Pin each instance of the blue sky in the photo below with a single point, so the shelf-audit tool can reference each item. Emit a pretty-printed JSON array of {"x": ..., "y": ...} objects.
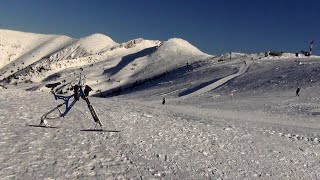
[{"x": 214, "y": 26}]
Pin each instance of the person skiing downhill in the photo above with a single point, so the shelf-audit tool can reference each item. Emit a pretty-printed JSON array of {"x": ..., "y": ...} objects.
[
  {"x": 297, "y": 91},
  {"x": 163, "y": 101}
]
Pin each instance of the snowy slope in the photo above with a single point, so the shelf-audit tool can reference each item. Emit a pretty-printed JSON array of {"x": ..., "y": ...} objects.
[
  {"x": 16, "y": 44},
  {"x": 68, "y": 62},
  {"x": 96, "y": 43},
  {"x": 174, "y": 141},
  {"x": 220, "y": 82},
  {"x": 111, "y": 68},
  {"x": 19, "y": 49},
  {"x": 174, "y": 53},
  {"x": 108, "y": 66},
  {"x": 89, "y": 45},
  {"x": 224, "y": 118},
  {"x": 155, "y": 62}
]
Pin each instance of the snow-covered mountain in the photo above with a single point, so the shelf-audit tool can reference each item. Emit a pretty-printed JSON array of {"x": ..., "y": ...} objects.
[
  {"x": 222, "y": 117},
  {"x": 19, "y": 50},
  {"x": 29, "y": 61},
  {"x": 41, "y": 59},
  {"x": 86, "y": 46}
]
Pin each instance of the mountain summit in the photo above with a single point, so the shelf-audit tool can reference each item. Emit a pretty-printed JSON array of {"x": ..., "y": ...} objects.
[{"x": 32, "y": 60}]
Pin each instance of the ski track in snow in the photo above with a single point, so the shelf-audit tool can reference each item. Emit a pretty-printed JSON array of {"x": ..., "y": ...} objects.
[
  {"x": 243, "y": 68},
  {"x": 167, "y": 142}
]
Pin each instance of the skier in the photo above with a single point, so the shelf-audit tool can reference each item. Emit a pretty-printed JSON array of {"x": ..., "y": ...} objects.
[
  {"x": 297, "y": 91},
  {"x": 163, "y": 101}
]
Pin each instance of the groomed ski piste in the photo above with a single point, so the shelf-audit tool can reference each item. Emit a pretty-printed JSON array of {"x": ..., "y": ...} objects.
[{"x": 224, "y": 118}]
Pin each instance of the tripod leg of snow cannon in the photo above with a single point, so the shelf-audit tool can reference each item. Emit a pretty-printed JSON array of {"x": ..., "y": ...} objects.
[
  {"x": 44, "y": 117},
  {"x": 93, "y": 113}
]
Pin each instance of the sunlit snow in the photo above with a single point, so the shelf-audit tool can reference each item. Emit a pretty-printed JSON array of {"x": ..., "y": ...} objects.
[{"x": 224, "y": 117}]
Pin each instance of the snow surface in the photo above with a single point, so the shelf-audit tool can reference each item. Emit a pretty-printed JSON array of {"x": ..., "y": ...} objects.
[
  {"x": 224, "y": 118},
  {"x": 96, "y": 42}
]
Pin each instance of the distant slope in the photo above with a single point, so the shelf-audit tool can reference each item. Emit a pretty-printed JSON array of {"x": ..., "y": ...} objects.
[
  {"x": 107, "y": 65},
  {"x": 171, "y": 54},
  {"x": 152, "y": 63},
  {"x": 86, "y": 46},
  {"x": 169, "y": 68},
  {"x": 215, "y": 84},
  {"x": 56, "y": 59},
  {"x": 276, "y": 75},
  {"x": 14, "y": 44},
  {"x": 19, "y": 49}
]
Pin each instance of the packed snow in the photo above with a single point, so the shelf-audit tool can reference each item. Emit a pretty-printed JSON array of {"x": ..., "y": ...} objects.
[{"x": 224, "y": 117}]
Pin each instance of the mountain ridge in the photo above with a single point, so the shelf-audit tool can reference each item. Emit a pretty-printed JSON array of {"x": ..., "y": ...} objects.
[{"x": 104, "y": 61}]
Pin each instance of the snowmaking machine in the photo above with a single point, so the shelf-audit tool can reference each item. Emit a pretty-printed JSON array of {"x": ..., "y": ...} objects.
[{"x": 79, "y": 91}]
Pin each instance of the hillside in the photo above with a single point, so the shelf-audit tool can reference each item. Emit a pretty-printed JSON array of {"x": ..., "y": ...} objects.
[
  {"x": 19, "y": 50},
  {"x": 107, "y": 65},
  {"x": 174, "y": 67},
  {"x": 222, "y": 117}
]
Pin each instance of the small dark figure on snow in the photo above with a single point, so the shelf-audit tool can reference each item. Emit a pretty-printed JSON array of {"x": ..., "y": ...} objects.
[
  {"x": 163, "y": 101},
  {"x": 297, "y": 91}
]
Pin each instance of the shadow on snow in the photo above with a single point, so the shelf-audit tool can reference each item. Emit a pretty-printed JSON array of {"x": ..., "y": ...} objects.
[{"x": 128, "y": 59}]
